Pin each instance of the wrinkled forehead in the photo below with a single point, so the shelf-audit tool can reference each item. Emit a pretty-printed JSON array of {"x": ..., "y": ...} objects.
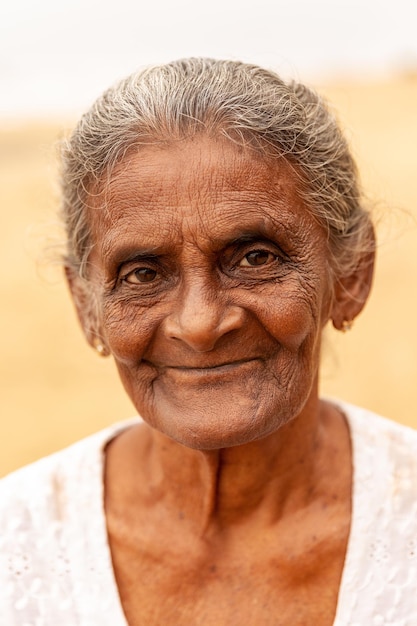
[{"x": 201, "y": 184}]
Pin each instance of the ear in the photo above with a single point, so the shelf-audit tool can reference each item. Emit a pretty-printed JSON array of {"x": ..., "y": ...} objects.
[
  {"x": 351, "y": 292},
  {"x": 85, "y": 303}
]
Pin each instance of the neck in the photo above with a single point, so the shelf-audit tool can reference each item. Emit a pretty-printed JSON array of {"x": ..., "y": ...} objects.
[{"x": 261, "y": 480}]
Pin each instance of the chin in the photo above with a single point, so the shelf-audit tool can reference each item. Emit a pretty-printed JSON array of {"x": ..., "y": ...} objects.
[
  {"x": 211, "y": 429},
  {"x": 224, "y": 412}
]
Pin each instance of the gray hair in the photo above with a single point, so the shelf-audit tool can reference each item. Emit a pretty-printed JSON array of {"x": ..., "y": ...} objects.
[{"x": 243, "y": 102}]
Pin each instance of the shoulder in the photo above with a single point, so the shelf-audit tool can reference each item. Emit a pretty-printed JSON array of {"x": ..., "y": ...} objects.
[
  {"x": 380, "y": 575},
  {"x": 41, "y": 489},
  {"x": 385, "y": 464},
  {"x": 53, "y": 550},
  {"x": 381, "y": 433}
]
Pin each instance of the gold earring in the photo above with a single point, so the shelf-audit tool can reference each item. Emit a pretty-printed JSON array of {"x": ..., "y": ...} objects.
[
  {"x": 99, "y": 347},
  {"x": 346, "y": 325}
]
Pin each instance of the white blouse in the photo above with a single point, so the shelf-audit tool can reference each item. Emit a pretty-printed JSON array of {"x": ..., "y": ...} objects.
[{"x": 55, "y": 563}]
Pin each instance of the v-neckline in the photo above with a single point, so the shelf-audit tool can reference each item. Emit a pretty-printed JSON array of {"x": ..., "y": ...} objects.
[
  {"x": 360, "y": 497},
  {"x": 367, "y": 488}
]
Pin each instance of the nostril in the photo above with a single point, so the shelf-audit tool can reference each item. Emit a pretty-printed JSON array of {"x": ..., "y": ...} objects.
[{"x": 201, "y": 330}]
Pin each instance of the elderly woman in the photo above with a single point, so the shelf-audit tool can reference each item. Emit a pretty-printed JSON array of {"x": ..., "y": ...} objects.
[{"x": 215, "y": 226}]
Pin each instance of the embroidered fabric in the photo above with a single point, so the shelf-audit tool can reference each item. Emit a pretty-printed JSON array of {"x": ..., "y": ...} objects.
[{"x": 55, "y": 563}]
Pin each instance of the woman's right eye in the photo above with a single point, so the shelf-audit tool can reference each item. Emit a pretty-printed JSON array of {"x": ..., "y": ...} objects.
[
  {"x": 257, "y": 258},
  {"x": 140, "y": 275}
]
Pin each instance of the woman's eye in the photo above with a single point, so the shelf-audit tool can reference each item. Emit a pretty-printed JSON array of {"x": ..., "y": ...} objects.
[
  {"x": 141, "y": 275},
  {"x": 257, "y": 258}
]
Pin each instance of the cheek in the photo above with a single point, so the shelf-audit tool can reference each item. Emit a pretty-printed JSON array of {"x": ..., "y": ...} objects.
[
  {"x": 293, "y": 317},
  {"x": 128, "y": 329}
]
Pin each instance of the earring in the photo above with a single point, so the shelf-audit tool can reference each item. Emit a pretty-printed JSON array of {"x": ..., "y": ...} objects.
[
  {"x": 99, "y": 347},
  {"x": 346, "y": 325}
]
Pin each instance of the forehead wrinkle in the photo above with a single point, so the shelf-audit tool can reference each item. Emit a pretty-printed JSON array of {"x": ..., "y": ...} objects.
[
  {"x": 162, "y": 230},
  {"x": 241, "y": 184},
  {"x": 219, "y": 234},
  {"x": 272, "y": 187},
  {"x": 158, "y": 234},
  {"x": 125, "y": 205},
  {"x": 145, "y": 192},
  {"x": 238, "y": 196},
  {"x": 200, "y": 174}
]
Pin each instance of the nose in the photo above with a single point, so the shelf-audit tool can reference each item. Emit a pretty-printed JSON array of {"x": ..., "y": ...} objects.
[{"x": 201, "y": 318}]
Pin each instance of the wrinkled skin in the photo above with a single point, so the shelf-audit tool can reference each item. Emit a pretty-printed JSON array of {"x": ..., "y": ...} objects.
[
  {"x": 220, "y": 278},
  {"x": 213, "y": 285}
]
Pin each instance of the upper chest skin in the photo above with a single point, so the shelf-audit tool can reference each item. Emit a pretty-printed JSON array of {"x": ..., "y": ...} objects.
[{"x": 283, "y": 573}]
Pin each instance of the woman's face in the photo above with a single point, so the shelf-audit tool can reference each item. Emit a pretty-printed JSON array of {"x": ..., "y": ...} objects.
[{"x": 213, "y": 288}]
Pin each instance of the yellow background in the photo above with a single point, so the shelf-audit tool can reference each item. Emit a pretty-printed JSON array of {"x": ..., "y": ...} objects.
[{"x": 54, "y": 389}]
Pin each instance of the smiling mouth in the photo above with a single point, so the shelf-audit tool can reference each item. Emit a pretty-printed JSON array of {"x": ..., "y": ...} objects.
[
  {"x": 216, "y": 373},
  {"x": 219, "y": 367}
]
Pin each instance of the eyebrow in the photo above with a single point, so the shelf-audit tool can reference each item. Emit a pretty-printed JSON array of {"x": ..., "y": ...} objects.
[
  {"x": 249, "y": 237},
  {"x": 263, "y": 229},
  {"x": 132, "y": 253}
]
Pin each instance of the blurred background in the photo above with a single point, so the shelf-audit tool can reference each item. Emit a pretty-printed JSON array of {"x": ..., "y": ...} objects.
[{"x": 55, "y": 58}]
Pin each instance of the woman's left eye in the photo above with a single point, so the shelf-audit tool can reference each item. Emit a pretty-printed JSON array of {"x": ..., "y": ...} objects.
[
  {"x": 141, "y": 275},
  {"x": 257, "y": 258}
]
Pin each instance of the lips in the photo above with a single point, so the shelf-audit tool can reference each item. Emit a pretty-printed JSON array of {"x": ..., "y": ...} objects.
[
  {"x": 203, "y": 366},
  {"x": 225, "y": 372}
]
